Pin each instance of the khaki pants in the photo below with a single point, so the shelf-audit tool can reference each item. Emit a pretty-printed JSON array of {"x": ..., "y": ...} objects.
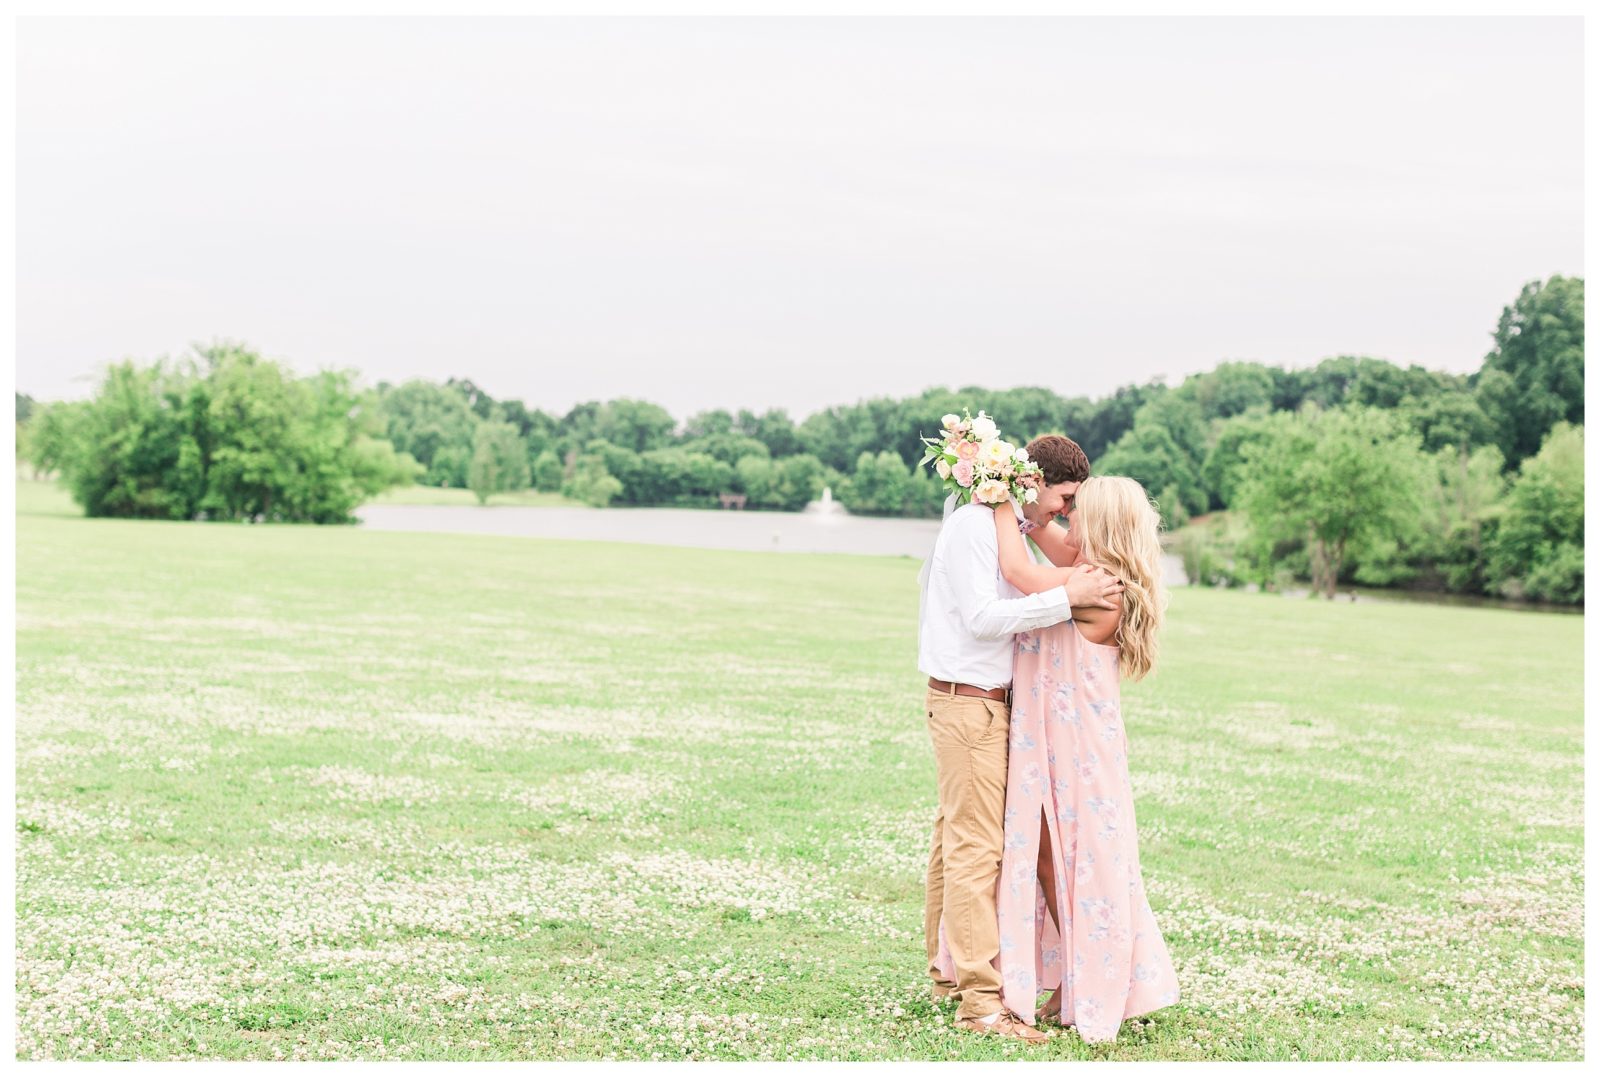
[{"x": 970, "y": 736}]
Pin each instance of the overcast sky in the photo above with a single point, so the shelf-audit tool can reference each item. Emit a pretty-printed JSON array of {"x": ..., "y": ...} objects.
[{"x": 781, "y": 213}]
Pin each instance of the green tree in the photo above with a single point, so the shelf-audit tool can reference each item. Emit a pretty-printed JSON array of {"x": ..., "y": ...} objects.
[
  {"x": 1224, "y": 461},
  {"x": 1230, "y": 389},
  {"x": 800, "y": 479},
  {"x": 1538, "y": 346},
  {"x": 479, "y": 402},
  {"x": 25, "y": 408},
  {"x": 1162, "y": 452},
  {"x": 253, "y": 408},
  {"x": 1537, "y": 551},
  {"x": 678, "y": 476},
  {"x": 1170, "y": 505},
  {"x": 773, "y": 428},
  {"x": 1459, "y": 502},
  {"x": 337, "y": 463},
  {"x": 434, "y": 424},
  {"x": 269, "y": 446},
  {"x": 1379, "y": 383},
  {"x": 122, "y": 456},
  {"x": 712, "y": 423},
  {"x": 1448, "y": 419},
  {"x": 548, "y": 473},
  {"x": 757, "y": 478},
  {"x": 498, "y": 461},
  {"x": 48, "y": 437},
  {"x": 882, "y": 484},
  {"x": 376, "y": 466},
  {"x": 1328, "y": 383},
  {"x": 628, "y": 468},
  {"x": 1104, "y": 422},
  {"x": 591, "y": 483},
  {"x": 577, "y": 430},
  {"x": 1151, "y": 456},
  {"x": 1337, "y": 480},
  {"x": 729, "y": 448},
  {"x": 244, "y": 440},
  {"x": 636, "y": 425},
  {"x": 450, "y": 465}
]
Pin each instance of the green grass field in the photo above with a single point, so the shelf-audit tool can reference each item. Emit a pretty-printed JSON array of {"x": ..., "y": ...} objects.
[{"x": 299, "y": 792}]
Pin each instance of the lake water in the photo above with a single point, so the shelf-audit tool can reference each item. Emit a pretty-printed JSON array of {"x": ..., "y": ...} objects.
[{"x": 780, "y": 532}]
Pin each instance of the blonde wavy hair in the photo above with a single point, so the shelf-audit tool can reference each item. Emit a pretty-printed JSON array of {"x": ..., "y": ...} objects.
[{"x": 1122, "y": 532}]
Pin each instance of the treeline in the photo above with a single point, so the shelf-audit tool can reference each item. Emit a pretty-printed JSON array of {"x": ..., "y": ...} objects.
[
  {"x": 625, "y": 452},
  {"x": 1356, "y": 470}
]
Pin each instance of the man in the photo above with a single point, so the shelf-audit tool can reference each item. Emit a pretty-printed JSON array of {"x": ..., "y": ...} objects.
[{"x": 968, "y": 618}]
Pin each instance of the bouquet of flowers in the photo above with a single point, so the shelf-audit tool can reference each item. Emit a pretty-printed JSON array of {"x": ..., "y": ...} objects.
[{"x": 975, "y": 462}]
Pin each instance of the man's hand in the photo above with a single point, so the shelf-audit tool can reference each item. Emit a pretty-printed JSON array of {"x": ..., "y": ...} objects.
[{"x": 1091, "y": 585}]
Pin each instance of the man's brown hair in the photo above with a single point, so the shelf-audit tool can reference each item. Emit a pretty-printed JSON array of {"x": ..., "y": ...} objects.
[{"x": 1059, "y": 458}]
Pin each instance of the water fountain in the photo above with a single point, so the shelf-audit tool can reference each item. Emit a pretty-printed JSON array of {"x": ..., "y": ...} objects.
[{"x": 827, "y": 506}]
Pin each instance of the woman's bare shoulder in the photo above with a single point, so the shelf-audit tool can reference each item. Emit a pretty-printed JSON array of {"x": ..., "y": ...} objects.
[{"x": 1098, "y": 624}]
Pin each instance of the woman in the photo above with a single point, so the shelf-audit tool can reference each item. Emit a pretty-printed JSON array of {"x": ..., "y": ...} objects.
[{"x": 1074, "y": 919}]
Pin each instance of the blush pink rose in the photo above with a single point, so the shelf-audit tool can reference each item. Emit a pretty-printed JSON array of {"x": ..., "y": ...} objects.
[{"x": 963, "y": 472}]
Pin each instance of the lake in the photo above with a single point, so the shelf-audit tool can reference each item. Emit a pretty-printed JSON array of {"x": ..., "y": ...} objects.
[{"x": 779, "y": 532}]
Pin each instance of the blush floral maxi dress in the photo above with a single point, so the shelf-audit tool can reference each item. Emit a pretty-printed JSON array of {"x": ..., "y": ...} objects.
[{"x": 1068, "y": 766}]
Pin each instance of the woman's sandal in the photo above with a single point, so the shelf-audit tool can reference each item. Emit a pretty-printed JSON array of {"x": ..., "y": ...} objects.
[{"x": 1051, "y": 1010}]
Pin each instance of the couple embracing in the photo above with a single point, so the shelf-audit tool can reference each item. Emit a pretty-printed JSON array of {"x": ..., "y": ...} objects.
[{"x": 1033, "y": 881}]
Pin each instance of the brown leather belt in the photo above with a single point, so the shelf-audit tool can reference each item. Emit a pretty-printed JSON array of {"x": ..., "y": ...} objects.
[{"x": 1000, "y": 694}]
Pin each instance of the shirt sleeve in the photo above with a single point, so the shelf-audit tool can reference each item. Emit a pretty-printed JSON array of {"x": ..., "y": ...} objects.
[{"x": 970, "y": 566}]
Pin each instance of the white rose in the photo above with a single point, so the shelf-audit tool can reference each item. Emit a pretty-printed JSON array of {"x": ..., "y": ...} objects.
[
  {"x": 951, "y": 421},
  {"x": 983, "y": 427},
  {"x": 1031, "y": 496},
  {"x": 1022, "y": 456},
  {"x": 943, "y": 468},
  {"x": 991, "y": 492}
]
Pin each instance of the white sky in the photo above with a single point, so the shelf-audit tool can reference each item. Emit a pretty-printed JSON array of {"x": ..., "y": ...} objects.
[{"x": 787, "y": 213}]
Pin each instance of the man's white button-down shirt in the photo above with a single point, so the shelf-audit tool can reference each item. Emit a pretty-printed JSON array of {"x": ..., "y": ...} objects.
[{"x": 969, "y": 611}]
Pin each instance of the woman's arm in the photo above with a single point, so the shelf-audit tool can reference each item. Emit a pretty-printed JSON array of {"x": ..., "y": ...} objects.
[
  {"x": 1059, "y": 544},
  {"x": 1020, "y": 570}
]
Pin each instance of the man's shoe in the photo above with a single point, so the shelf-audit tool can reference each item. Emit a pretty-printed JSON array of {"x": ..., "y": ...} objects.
[{"x": 1007, "y": 1024}]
